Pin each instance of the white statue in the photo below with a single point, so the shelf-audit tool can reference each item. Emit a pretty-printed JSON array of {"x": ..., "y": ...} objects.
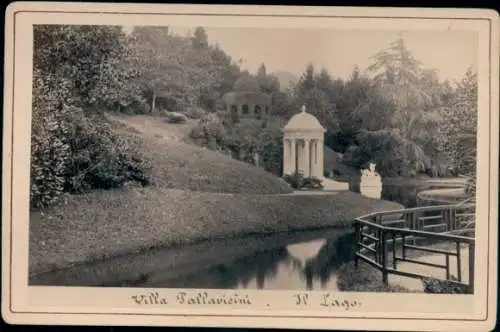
[
  {"x": 371, "y": 183},
  {"x": 372, "y": 168}
]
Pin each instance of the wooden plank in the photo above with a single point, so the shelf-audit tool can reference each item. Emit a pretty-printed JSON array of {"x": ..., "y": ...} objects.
[
  {"x": 413, "y": 261},
  {"x": 406, "y": 274},
  {"x": 434, "y": 226},
  {"x": 431, "y": 250},
  {"x": 430, "y": 218},
  {"x": 391, "y": 222},
  {"x": 465, "y": 214},
  {"x": 369, "y": 236},
  {"x": 367, "y": 247},
  {"x": 368, "y": 260}
]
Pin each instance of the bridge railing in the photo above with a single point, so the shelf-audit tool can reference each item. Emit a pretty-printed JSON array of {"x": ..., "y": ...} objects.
[{"x": 386, "y": 239}]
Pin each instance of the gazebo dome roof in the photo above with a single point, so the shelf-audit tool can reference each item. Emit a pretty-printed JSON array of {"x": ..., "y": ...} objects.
[{"x": 303, "y": 121}]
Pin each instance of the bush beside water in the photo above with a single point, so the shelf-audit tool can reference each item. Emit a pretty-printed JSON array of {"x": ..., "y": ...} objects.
[
  {"x": 365, "y": 278},
  {"x": 436, "y": 286}
]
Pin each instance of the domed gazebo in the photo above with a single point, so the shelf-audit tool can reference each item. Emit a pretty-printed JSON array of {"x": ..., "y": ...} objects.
[{"x": 303, "y": 144}]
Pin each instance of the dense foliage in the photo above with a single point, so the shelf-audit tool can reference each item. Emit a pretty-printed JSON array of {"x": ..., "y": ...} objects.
[{"x": 77, "y": 71}]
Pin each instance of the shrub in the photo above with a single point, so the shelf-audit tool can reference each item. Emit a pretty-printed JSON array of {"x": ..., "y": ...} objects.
[
  {"x": 298, "y": 181},
  {"x": 102, "y": 159},
  {"x": 195, "y": 113},
  {"x": 437, "y": 286},
  {"x": 312, "y": 183},
  {"x": 50, "y": 151},
  {"x": 176, "y": 118},
  {"x": 50, "y": 156},
  {"x": 209, "y": 132}
]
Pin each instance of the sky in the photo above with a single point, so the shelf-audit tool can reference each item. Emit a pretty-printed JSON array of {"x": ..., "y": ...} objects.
[{"x": 450, "y": 52}]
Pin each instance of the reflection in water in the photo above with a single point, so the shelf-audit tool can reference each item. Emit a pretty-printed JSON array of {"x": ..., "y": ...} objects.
[
  {"x": 303, "y": 252},
  {"x": 309, "y": 265}
]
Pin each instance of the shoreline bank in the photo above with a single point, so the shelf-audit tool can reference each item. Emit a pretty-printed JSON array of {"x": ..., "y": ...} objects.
[{"x": 107, "y": 224}]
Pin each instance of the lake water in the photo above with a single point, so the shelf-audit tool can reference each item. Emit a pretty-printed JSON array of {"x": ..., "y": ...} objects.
[{"x": 304, "y": 260}]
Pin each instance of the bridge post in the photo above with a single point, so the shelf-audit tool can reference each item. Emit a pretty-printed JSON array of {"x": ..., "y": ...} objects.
[
  {"x": 357, "y": 239},
  {"x": 459, "y": 262},
  {"x": 445, "y": 219},
  {"x": 394, "y": 260},
  {"x": 385, "y": 278},
  {"x": 471, "y": 266},
  {"x": 453, "y": 217}
]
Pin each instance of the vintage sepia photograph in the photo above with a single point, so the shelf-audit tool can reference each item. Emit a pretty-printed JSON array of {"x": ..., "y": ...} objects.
[{"x": 220, "y": 161}]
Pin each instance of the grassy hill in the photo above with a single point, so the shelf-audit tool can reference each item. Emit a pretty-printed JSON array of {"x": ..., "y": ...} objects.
[{"x": 179, "y": 165}]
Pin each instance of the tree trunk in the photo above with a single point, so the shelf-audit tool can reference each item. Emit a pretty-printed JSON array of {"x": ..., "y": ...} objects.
[{"x": 153, "y": 103}]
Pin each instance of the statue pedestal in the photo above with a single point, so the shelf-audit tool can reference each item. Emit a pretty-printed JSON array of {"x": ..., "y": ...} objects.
[{"x": 371, "y": 183}]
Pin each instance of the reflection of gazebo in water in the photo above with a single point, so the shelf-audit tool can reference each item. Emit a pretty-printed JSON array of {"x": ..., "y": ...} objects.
[
  {"x": 311, "y": 261},
  {"x": 302, "y": 254}
]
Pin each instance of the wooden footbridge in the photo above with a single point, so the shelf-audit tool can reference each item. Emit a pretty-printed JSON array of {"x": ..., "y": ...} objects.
[{"x": 386, "y": 239}]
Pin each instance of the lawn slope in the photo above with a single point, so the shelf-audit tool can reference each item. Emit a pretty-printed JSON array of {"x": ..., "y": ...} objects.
[
  {"x": 179, "y": 165},
  {"x": 109, "y": 223}
]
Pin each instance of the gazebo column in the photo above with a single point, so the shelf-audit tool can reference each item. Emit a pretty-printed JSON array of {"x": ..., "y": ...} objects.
[
  {"x": 314, "y": 158},
  {"x": 307, "y": 158},
  {"x": 286, "y": 156},
  {"x": 300, "y": 156},
  {"x": 320, "y": 165},
  {"x": 293, "y": 156}
]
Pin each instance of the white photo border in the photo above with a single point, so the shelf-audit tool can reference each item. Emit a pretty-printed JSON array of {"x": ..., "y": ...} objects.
[{"x": 19, "y": 308}]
